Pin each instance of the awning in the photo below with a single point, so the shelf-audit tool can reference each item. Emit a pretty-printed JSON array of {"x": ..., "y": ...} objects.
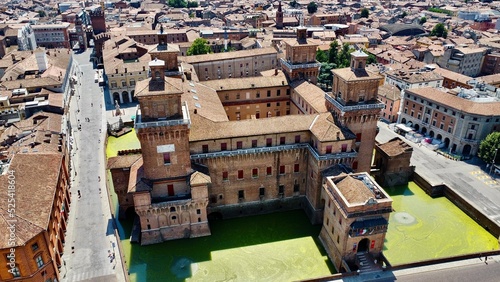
[{"x": 369, "y": 223}]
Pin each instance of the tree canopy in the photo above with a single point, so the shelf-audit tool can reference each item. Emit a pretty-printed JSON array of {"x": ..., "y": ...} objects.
[
  {"x": 422, "y": 20},
  {"x": 439, "y": 30},
  {"x": 177, "y": 3},
  {"x": 192, "y": 4},
  {"x": 312, "y": 7},
  {"x": 199, "y": 47},
  {"x": 365, "y": 13},
  {"x": 294, "y": 4},
  {"x": 488, "y": 146},
  {"x": 336, "y": 57}
]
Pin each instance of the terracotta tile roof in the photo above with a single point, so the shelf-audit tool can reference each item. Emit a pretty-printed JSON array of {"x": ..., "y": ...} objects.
[
  {"x": 125, "y": 161},
  {"x": 457, "y": 103},
  {"x": 247, "y": 82},
  {"x": 34, "y": 199},
  {"x": 353, "y": 190},
  {"x": 198, "y": 178},
  {"x": 150, "y": 87},
  {"x": 395, "y": 147},
  {"x": 204, "y": 129},
  {"x": 204, "y": 100},
  {"x": 390, "y": 92},
  {"x": 324, "y": 128},
  {"x": 312, "y": 94},
  {"x": 349, "y": 75},
  {"x": 228, "y": 55},
  {"x": 452, "y": 75}
]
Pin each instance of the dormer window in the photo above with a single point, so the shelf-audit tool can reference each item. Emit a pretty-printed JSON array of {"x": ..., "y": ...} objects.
[{"x": 157, "y": 75}]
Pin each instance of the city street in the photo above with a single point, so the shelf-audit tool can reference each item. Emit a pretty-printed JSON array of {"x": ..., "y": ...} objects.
[
  {"x": 468, "y": 178},
  {"x": 91, "y": 252}
]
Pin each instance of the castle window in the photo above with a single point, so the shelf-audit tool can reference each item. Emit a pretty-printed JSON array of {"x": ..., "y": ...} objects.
[
  {"x": 269, "y": 170},
  {"x": 39, "y": 261},
  {"x": 240, "y": 174},
  {"x": 198, "y": 211},
  {"x": 282, "y": 140},
  {"x": 268, "y": 93},
  {"x": 296, "y": 168},
  {"x": 269, "y": 142},
  {"x": 34, "y": 247},
  {"x": 255, "y": 173},
  {"x": 296, "y": 188},
  {"x": 278, "y": 92},
  {"x": 15, "y": 272},
  {"x": 297, "y": 138},
  {"x": 344, "y": 147},
  {"x": 172, "y": 209},
  {"x": 225, "y": 176},
  {"x": 239, "y": 145},
  {"x": 223, "y": 146},
  {"x": 262, "y": 191},
  {"x": 329, "y": 149},
  {"x": 281, "y": 189},
  {"x": 257, "y": 95},
  {"x": 254, "y": 143},
  {"x": 282, "y": 169},
  {"x": 241, "y": 194},
  {"x": 166, "y": 158},
  {"x": 204, "y": 148}
]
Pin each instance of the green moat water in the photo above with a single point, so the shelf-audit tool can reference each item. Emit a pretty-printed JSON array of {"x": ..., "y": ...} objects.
[
  {"x": 285, "y": 247},
  {"x": 423, "y": 228}
]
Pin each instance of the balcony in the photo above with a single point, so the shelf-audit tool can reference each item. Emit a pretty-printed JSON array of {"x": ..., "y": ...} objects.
[
  {"x": 299, "y": 66},
  {"x": 165, "y": 202},
  {"x": 357, "y": 107},
  {"x": 238, "y": 152},
  {"x": 139, "y": 124}
]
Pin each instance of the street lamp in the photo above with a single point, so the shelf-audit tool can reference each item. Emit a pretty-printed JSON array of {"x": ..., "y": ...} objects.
[{"x": 493, "y": 160}]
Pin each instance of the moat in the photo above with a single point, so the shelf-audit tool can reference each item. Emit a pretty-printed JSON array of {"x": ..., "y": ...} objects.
[{"x": 285, "y": 247}]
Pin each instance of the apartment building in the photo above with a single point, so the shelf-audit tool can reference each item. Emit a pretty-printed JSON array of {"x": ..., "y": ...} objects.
[
  {"x": 460, "y": 120},
  {"x": 463, "y": 60},
  {"x": 52, "y": 35}
]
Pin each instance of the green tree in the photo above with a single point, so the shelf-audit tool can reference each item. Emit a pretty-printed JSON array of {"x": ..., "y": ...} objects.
[
  {"x": 422, "y": 20},
  {"x": 41, "y": 13},
  {"x": 345, "y": 56},
  {"x": 333, "y": 53},
  {"x": 325, "y": 76},
  {"x": 365, "y": 13},
  {"x": 439, "y": 30},
  {"x": 199, "y": 46},
  {"x": 488, "y": 146},
  {"x": 177, "y": 3},
  {"x": 294, "y": 4},
  {"x": 192, "y": 4},
  {"x": 371, "y": 59},
  {"x": 404, "y": 14},
  {"x": 312, "y": 7},
  {"x": 321, "y": 56}
]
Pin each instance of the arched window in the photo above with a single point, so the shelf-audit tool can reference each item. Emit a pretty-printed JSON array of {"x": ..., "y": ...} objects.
[{"x": 172, "y": 209}]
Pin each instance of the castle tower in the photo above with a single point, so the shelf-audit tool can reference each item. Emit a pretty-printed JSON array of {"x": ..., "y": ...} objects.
[
  {"x": 167, "y": 53},
  {"x": 169, "y": 197},
  {"x": 162, "y": 126},
  {"x": 279, "y": 17},
  {"x": 300, "y": 58},
  {"x": 354, "y": 104},
  {"x": 355, "y": 220}
]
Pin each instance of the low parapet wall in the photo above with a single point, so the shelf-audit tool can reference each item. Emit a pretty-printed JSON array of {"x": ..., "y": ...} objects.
[{"x": 439, "y": 190}]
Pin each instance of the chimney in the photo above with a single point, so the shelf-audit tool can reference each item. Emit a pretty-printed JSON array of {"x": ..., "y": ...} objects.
[
  {"x": 276, "y": 70},
  {"x": 143, "y": 68},
  {"x": 116, "y": 71},
  {"x": 125, "y": 70}
]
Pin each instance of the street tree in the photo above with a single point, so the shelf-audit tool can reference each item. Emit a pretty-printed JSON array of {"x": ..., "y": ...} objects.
[
  {"x": 365, "y": 13},
  {"x": 439, "y": 30},
  {"x": 422, "y": 20},
  {"x": 312, "y": 7},
  {"x": 488, "y": 147},
  {"x": 199, "y": 46}
]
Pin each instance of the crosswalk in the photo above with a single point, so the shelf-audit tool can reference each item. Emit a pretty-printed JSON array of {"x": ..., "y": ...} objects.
[{"x": 485, "y": 178}]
